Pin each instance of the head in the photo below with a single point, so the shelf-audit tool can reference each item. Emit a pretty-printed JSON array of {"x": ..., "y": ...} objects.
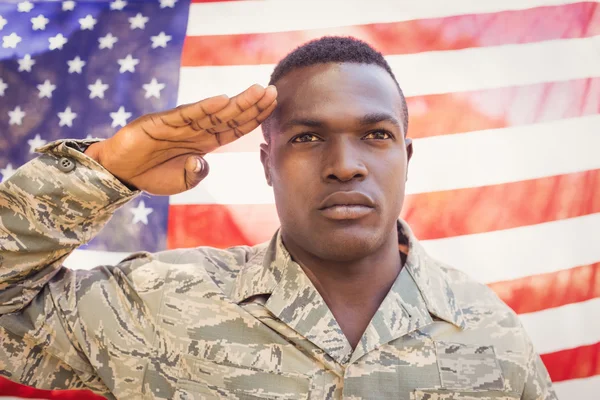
[{"x": 337, "y": 136}]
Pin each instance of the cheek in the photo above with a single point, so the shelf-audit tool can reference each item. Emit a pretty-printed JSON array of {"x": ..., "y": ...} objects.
[
  {"x": 293, "y": 179},
  {"x": 391, "y": 178}
]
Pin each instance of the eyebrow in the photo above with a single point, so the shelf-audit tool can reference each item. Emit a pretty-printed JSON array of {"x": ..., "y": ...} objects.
[
  {"x": 367, "y": 119},
  {"x": 313, "y": 123},
  {"x": 374, "y": 118}
]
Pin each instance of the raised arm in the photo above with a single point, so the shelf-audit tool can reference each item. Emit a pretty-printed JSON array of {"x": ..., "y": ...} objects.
[{"x": 61, "y": 200}]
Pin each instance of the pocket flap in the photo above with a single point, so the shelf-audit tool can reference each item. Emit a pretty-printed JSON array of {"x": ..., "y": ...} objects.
[{"x": 468, "y": 367}]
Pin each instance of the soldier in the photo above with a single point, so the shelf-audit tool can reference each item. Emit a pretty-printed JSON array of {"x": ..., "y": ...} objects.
[{"x": 343, "y": 302}]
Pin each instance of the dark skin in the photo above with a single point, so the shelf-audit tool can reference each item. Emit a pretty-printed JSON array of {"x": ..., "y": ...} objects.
[
  {"x": 338, "y": 128},
  {"x": 335, "y": 128}
]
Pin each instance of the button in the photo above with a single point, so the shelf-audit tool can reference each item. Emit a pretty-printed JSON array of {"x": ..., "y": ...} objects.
[{"x": 66, "y": 165}]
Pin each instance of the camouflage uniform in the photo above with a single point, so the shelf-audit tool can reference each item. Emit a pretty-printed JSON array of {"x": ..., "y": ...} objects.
[{"x": 241, "y": 323}]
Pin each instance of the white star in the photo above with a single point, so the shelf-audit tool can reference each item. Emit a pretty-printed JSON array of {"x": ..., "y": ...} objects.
[
  {"x": 128, "y": 64},
  {"x": 68, "y": 5},
  {"x": 16, "y": 116},
  {"x": 167, "y": 3},
  {"x": 39, "y": 23},
  {"x": 34, "y": 143},
  {"x": 11, "y": 41},
  {"x": 153, "y": 88},
  {"x": 120, "y": 117},
  {"x": 160, "y": 40},
  {"x": 140, "y": 213},
  {"x": 97, "y": 89},
  {"x": 57, "y": 42},
  {"x": 46, "y": 89},
  {"x": 107, "y": 42},
  {"x": 139, "y": 21},
  {"x": 75, "y": 65},
  {"x": 7, "y": 172},
  {"x": 89, "y": 137},
  {"x": 3, "y": 22},
  {"x": 26, "y": 63},
  {"x": 3, "y": 87},
  {"x": 25, "y": 6},
  {"x": 66, "y": 117},
  {"x": 118, "y": 5},
  {"x": 87, "y": 23}
]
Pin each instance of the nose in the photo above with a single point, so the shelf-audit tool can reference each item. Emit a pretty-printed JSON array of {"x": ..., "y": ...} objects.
[{"x": 343, "y": 162}]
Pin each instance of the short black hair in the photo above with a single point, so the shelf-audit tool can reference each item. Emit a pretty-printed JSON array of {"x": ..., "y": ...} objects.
[{"x": 336, "y": 49}]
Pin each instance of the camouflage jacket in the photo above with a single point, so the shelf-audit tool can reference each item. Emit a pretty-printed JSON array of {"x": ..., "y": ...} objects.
[{"x": 241, "y": 323}]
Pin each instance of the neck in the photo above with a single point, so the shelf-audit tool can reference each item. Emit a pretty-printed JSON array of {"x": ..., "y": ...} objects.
[{"x": 353, "y": 290}]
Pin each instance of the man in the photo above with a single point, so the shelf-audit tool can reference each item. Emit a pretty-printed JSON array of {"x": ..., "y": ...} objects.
[{"x": 342, "y": 303}]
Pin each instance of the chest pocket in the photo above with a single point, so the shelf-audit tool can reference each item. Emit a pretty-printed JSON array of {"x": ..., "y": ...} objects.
[
  {"x": 467, "y": 372},
  {"x": 210, "y": 380}
]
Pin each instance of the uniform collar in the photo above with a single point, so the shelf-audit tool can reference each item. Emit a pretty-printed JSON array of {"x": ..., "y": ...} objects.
[{"x": 421, "y": 290}]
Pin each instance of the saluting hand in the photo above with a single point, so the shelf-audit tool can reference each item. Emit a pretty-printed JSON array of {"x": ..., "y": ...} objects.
[{"x": 162, "y": 153}]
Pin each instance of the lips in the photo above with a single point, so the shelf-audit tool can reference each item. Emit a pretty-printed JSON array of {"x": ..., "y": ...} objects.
[
  {"x": 347, "y": 206},
  {"x": 347, "y": 199}
]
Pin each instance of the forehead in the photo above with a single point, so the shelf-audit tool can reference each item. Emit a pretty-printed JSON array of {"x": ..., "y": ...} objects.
[{"x": 337, "y": 91}]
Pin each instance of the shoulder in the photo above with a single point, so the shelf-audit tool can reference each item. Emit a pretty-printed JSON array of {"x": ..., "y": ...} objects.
[
  {"x": 485, "y": 315},
  {"x": 218, "y": 266},
  {"x": 477, "y": 301}
]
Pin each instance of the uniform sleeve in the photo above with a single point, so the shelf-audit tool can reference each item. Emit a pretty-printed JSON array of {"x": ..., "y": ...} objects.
[
  {"x": 538, "y": 385},
  {"x": 49, "y": 207}
]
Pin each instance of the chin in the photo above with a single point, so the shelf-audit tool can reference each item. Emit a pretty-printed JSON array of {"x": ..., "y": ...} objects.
[{"x": 348, "y": 246}]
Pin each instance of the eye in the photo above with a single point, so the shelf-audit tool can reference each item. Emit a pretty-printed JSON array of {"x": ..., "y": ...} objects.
[
  {"x": 305, "y": 138},
  {"x": 378, "y": 135}
]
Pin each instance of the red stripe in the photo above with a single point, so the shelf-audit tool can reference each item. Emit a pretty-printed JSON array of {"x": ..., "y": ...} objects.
[
  {"x": 435, "y": 34},
  {"x": 431, "y": 215},
  {"x": 9, "y": 388},
  {"x": 490, "y": 208},
  {"x": 577, "y": 363},
  {"x": 554, "y": 289},
  {"x": 436, "y": 115}
]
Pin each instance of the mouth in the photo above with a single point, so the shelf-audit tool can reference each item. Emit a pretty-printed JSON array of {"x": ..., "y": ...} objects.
[
  {"x": 346, "y": 211},
  {"x": 347, "y": 206}
]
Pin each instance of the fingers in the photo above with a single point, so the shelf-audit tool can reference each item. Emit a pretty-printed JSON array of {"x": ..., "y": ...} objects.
[
  {"x": 249, "y": 114},
  {"x": 238, "y": 105},
  {"x": 196, "y": 169},
  {"x": 186, "y": 114},
  {"x": 212, "y": 122},
  {"x": 233, "y": 134}
]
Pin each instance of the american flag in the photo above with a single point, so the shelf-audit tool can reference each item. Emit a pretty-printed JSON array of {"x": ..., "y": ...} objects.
[{"x": 504, "y": 98}]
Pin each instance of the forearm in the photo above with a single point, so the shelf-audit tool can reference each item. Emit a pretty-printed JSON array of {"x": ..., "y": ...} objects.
[{"x": 49, "y": 207}]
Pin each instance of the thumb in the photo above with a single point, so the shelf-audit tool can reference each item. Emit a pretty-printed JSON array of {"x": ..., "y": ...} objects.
[{"x": 196, "y": 169}]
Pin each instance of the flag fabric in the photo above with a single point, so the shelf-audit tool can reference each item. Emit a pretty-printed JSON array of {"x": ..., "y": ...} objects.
[{"x": 504, "y": 103}]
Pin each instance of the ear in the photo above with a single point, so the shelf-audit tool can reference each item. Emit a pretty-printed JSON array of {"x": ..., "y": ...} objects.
[
  {"x": 266, "y": 161},
  {"x": 409, "y": 148},
  {"x": 409, "y": 152}
]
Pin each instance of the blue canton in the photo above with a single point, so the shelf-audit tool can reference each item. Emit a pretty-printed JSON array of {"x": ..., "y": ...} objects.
[{"x": 84, "y": 69}]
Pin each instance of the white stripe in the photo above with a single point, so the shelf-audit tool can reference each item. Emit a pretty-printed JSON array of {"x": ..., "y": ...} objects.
[
  {"x": 578, "y": 389},
  {"x": 565, "y": 327},
  {"x": 281, "y": 16},
  {"x": 447, "y": 162},
  {"x": 88, "y": 259},
  {"x": 519, "y": 252},
  {"x": 432, "y": 72}
]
